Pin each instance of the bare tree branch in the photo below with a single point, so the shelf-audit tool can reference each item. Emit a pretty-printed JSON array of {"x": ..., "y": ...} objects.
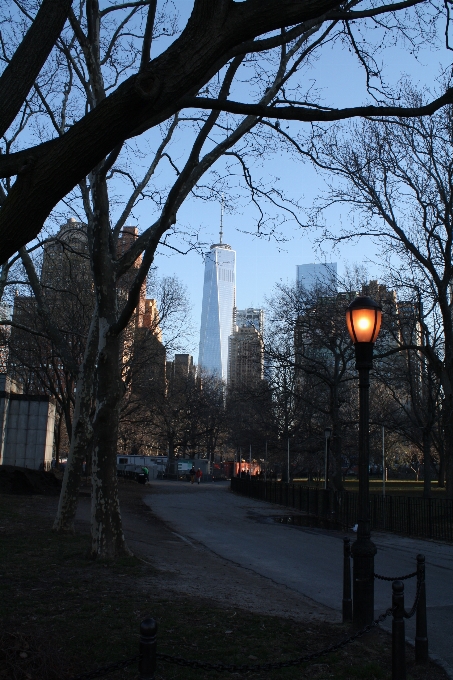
[{"x": 20, "y": 74}]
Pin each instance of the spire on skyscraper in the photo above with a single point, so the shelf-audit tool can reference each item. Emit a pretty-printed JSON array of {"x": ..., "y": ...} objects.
[{"x": 221, "y": 220}]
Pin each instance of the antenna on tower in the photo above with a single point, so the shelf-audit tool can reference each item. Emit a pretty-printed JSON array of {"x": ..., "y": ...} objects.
[{"x": 221, "y": 220}]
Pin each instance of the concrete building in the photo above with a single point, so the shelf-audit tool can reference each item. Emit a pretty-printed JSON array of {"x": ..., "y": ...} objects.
[
  {"x": 181, "y": 367},
  {"x": 67, "y": 286},
  {"x": 26, "y": 427},
  {"x": 219, "y": 300},
  {"x": 246, "y": 357},
  {"x": 249, "y": 317},
  {"x": 318, "y": 276}
]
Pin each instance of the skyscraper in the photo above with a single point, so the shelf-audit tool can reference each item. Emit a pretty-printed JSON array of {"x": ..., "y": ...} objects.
[
  {"x": 249, "y": 317},
  {"x": 246, "y": 358},
  {"x": 219, "y": 299},
  {"x": 318, "y": 276}
]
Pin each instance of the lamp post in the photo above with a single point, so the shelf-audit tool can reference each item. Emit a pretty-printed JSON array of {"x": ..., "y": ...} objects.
[
  {"x": 363, "y": 319},
  {"x": 327, "y": 433}
]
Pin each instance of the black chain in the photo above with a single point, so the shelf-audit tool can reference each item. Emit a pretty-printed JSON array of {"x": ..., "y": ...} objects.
[
  {"x": 395, "y": 578},
  {"x": 410, "y": 614},
  {"x": 105, "y": 670},
  {"x": 232, "y": 668}
]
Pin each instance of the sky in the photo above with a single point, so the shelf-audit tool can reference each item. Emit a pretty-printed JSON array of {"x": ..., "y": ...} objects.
[{"x": 261, "y": 263}]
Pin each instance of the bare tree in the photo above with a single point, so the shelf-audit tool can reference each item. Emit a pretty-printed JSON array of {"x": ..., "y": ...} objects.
[
  {"x": 408, "y": 402},
  {"x": 151, "y": 91},
  {"x": 397, "y": 178},
  {"x": 144, "y": 372},
  {"x": 113, "y": 92},
  {"x": 308, "y": 333}
]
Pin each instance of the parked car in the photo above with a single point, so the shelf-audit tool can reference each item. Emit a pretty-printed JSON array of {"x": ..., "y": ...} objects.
[{"x": 135, "y": 472}]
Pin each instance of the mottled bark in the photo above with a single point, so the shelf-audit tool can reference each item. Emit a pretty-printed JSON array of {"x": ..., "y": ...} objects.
[
  {"x": 81, "y": 436},
  {"x": 107, "y": 538}
]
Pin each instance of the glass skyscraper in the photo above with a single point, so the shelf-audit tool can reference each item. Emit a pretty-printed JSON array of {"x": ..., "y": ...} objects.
[
  {"x": 318, "y": 276},
  {"x": 219, "y": 300}
]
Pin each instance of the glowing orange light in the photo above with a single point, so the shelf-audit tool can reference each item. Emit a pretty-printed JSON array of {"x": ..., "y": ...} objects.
[{"x": 363, "y": 319}]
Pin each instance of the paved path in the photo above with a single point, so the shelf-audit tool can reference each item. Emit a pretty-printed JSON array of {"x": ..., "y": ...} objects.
[{"x": 306, "y": 560}]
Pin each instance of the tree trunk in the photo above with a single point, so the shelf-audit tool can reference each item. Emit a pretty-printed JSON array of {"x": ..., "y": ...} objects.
[
  {"x": 171, "y": 456},
  {"x": 335, "y": 440},
  {"x": 58, "y": 439},
  {"x": 449, "y": 461},
  {"x": 426, "y": 463},
  {"x": 107, "y": 538},
  {"x": 448, "y": 444},
  {"x": 337, "y": 477},
  {"x": 81, "y": 435}
]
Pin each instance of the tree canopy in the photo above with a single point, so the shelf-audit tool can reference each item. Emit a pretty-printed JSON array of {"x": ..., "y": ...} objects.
[{"x": 151, "y": 91}]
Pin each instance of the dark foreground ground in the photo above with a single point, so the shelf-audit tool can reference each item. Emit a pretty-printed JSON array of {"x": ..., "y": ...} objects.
[{"x": 62, "y": 614}]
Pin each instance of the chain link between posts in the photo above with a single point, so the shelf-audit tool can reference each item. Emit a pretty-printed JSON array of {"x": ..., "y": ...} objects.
[
  {"x": 273, "y": 665},
  {"x": 411, "y": 612},
  {"x": 105, "y": 670},
  {"x": 233, "y": 668},
  {"x": 395, "y": 578}
]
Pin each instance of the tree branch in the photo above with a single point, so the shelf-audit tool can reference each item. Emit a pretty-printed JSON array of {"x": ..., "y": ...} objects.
[
  {"x": 147, "y": 38},
  {"x": 309, "y": 115},
  {"x": 18, "y": 77},
  {"x": 52, "y": 332}
]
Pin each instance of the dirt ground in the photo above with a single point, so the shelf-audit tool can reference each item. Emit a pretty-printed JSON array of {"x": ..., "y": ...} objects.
[
  {"x": 62, "y": 614},
  {"x": 189, "y": 568}
]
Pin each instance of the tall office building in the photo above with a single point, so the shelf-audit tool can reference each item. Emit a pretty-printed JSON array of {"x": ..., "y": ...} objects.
[
  {"x": 246, "y": 358},
  {"x": 249, "y": 317},
  {"x": 318, "y": 276},
  {"x": 219, "y": 299}
]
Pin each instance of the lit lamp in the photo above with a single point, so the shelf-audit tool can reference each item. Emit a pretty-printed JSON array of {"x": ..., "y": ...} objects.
[
  {"x": 327, "y": 433},
  {"x": 363, "y": 319}
]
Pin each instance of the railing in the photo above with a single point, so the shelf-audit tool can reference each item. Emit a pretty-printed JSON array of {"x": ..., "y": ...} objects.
[
  {"x": 422, "y": 517},
  {"x": 148, "y": 656}
]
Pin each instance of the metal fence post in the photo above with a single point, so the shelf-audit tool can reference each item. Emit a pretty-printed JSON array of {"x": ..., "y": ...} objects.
[
  {"x": 421, "y": 634},
  {"x": 148, "y": 649},
  {"x": 347, "y": 601},
  {"x": 398, "y": 632}
]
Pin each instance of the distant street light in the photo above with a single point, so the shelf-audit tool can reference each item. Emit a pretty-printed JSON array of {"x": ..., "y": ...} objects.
[
  {"x": 363, "y": 319},
  {"x": 327, "y": 434}
]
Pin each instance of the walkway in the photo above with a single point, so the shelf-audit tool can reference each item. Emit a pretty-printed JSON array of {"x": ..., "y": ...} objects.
[{"x": 305, "y": 560}]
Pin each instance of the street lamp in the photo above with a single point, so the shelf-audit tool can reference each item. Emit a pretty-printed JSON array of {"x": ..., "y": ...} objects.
[
  {"x": 327, "y": 433},
  {"x": 363, "y": 319}
]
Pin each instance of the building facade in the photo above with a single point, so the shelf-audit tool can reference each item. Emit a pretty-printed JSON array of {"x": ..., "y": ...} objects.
[
  {"x": 219, "y": 299},
  {"x": 26, "y": 427},
  {"x": 316, "y": 275},
  {"x": 249, "y": 317},
  {"x": 246, "y": 358}
]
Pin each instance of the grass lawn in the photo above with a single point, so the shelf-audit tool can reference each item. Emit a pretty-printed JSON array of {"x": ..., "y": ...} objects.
[
  {"x": 62, "y": 614},
  {"x": 393, "y": 487}
]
